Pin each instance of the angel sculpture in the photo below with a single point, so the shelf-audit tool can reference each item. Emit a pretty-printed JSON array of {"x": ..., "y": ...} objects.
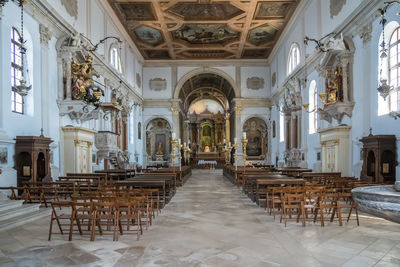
[{"x": 82, "y": 81}]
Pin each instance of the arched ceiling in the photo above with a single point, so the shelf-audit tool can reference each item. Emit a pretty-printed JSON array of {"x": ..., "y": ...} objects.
[
  {"x": 201, "y": 29},
  {"x": 206, "y": 86}
]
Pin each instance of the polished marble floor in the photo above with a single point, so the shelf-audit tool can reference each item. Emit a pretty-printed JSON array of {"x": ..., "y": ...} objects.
[{"x": 209, "y": 222}]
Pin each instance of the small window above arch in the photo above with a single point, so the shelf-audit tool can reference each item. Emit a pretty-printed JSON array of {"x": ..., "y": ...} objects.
[
  {"x": 115, "y": 58},
  {"x": 294, "y": 58}
]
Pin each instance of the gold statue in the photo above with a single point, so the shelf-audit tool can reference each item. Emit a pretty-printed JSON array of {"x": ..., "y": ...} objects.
[
  {"x": 333, "y": 85},
  {"x": 82, "y": 78},
  {"x": 159, "y": 151}
]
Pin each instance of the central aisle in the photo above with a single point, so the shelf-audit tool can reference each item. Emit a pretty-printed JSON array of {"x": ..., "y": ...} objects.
[{"x": 209, "y": 222}]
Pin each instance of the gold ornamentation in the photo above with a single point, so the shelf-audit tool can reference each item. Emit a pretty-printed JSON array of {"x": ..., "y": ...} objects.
[{"x": 82, "y": 82}]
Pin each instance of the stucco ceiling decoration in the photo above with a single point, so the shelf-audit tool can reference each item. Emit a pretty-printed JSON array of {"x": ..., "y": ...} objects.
[{"x": 201, "y": 29}]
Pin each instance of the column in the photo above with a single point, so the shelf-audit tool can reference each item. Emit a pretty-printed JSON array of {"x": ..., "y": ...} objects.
[
  {"x": 227, "y": 128},
  {"x": 287, "y": 132},
  {"x": 294, "y": 131},
  {"x": 125, "y": 134},
  {"x": 45, "y": 36}
]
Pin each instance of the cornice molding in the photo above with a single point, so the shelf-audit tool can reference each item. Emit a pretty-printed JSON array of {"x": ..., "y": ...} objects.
[
  {"x": 206, "y": 63},
  {"x": 157, "y": 103},
  {"x": 253, "y": 102}
]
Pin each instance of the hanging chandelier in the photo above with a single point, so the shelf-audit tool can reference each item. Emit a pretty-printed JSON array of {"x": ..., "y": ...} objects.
[
  {"x": 24, "y": 87},
  {"x": 384, "y": 88}
]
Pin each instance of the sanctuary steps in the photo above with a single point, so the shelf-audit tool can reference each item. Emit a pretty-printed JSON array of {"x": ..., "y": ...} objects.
[{"x": 13, "y": 213}]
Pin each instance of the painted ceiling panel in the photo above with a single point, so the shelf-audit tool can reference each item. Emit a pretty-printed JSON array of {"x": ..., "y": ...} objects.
[{"x": 204, "y": 29}]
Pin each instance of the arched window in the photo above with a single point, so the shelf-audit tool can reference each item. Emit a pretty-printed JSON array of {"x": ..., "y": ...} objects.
[
  {"x": 294, "y": 58},
  {"x": 312, "y": 116},
  {"x": 394, "y": 70},
  {"x": 17, "y": 101},
  {"x": 115, "y": 58}
]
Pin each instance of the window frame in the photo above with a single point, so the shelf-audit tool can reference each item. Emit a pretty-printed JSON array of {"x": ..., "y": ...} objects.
[
  {"x": 395, "y": 92},
  {"x": 313, "y": 101},
  {"x": 15, "y": 68},
  {"x": 117, "y": 62},
  {"x": 293, "y": 57}
]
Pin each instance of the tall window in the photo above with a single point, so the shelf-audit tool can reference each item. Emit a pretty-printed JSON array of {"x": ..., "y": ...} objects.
[
  {"x": 281, "y": 127},
  {"x": 312, "y": 116},
  {"x": 294, "y": 58},
  {"x": 17, "y": 101},
  {"x": 115, "y": 59},
  {"x": 394, "y": 70}
]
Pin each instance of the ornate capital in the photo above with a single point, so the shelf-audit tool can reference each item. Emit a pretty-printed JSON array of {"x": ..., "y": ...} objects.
[
  {"x": 365, "y": 33},
  {"x": 175, "y": 111},
  {"x": 45, "y": 34},
  {"x": 238, "y": 110}
]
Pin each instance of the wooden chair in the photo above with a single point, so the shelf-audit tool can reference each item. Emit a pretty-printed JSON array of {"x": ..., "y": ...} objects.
[
  {"x": 345, "y": 201},
  {"x": 329, "y": 204},
  {"x": 70, "y": 216},
  {"x": 128, "y": 213},
  {"x": 293, "y": 201},
  {"x": 104, "y": 213}
]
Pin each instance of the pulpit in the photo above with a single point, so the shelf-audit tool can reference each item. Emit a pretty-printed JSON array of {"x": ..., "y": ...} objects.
[
  {"x": 379, "y": 158},
  {"x": 32, "y": 159}
]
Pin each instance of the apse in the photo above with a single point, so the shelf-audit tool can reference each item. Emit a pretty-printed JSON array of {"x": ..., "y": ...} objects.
[{"x": 205, "y": 106}]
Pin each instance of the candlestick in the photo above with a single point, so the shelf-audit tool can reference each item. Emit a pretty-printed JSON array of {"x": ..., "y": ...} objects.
[{"x": 179, "y": 141}]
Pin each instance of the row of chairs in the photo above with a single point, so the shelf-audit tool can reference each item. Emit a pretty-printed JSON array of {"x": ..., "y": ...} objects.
[
  {"x": 118, "y": 211},
  {"x": 310, "y": 203}
]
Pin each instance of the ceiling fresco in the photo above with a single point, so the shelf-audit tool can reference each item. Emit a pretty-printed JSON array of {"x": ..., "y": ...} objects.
[
  {"x": 204, "y": 29},
  {"x": 206, "y": 34}
]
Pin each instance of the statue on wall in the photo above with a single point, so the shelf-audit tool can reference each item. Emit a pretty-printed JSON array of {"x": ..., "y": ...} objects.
[
  {"x": 160, "y": 149},
  {"x": 82, "y": 82},
  {"x": 333, "y": 85}
]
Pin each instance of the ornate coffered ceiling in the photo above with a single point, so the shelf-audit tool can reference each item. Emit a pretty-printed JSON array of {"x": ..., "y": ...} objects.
[{"x": 204, "y": 29}]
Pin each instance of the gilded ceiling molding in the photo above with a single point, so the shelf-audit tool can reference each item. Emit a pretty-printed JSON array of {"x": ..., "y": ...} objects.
[{"x": 71, "y": 6}]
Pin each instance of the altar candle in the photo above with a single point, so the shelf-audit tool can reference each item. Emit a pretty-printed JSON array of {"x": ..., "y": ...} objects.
[
  {"x": 244, "y": 135},
  {"x": 224, "y": 140},
  {"x": 173, "y": 135},
  {"x": 235, "y": 140},
  {"x": 179, "y": 141},
  {"x": 184, "y": 144},
  {"x": 230, "y": 144}
]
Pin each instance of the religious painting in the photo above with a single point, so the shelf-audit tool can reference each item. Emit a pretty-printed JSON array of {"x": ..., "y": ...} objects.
[
  {"x": 137, "y": 11},
  {"x": 272, "y": 10},
  {"x": 206, "y": 34},
  {"x": 204, "y": 11},
  {"x": 149, "y": 35},
  {"x": 3, "y": 155},
  {"x": 262, "y": 34},
  {"x": 160, "y": 144},
  {"x": 254, "y": 145},
  {"x": 207, "y": 131}
]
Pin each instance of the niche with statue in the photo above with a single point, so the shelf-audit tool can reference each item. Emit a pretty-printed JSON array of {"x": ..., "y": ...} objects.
[
  {"x": 256, "y": 130},
  {"x": 158, "y": 136}
]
